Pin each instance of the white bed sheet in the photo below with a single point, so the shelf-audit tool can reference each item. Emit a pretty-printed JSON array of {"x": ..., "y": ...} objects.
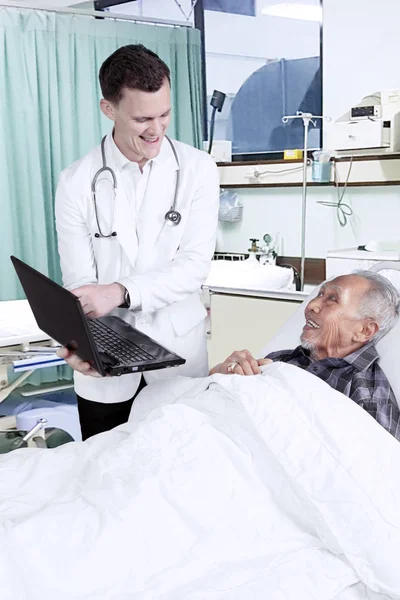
[{"x": 268, "y": 487}]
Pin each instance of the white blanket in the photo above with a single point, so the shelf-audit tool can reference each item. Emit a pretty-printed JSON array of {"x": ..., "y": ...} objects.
[{"x": 272, "y": 487}]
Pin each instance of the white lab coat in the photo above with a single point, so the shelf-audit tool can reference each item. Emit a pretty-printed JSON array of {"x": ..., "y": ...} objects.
[{"x": 163, "y": 266}]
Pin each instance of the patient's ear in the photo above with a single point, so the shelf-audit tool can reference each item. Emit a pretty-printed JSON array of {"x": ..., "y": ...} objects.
[{"x": 368, "y": 330}]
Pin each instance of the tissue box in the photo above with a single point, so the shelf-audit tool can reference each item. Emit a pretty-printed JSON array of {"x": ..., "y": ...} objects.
[{"x": 221, "y": 150}]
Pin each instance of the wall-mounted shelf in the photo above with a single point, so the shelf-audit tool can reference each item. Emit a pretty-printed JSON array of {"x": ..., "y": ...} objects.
[
  {"x": 274, "y": 185},
  {"x": 372, "y": 170}
]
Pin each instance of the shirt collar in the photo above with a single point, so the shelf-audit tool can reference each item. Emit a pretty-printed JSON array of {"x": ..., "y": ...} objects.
[
  {"x": 361, "y": 359},
  {"x": 120, "y": 160}
]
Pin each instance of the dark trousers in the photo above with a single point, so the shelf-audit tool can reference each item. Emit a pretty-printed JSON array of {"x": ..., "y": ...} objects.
[{"x": 96, "y": 417}]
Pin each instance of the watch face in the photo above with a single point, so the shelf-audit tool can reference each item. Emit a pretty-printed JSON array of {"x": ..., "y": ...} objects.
[{"x": 127, "y": 299}]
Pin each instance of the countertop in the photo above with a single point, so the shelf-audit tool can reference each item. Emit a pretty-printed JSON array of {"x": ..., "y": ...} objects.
[{"x": 282, "y": 294}]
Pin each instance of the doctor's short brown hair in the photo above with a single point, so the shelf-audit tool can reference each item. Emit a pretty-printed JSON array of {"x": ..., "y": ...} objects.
[{"x": 134, "y": 67}]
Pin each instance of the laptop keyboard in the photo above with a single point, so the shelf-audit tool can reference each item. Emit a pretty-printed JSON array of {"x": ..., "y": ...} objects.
[{"x": 116, "y": 346}]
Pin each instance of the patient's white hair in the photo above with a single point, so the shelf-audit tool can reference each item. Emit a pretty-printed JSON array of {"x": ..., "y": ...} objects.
[{"x": 381, "y": 302}]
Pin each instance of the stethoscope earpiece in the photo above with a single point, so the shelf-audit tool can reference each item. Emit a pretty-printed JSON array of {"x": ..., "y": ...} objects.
[{"x": 172, "y": 217}]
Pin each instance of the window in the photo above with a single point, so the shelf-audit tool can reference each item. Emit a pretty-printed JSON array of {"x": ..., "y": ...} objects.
[
  {"x": 269, "y": 67},
  {"x": 170, "y": 10},
  {"x": 239, "y": 7}
]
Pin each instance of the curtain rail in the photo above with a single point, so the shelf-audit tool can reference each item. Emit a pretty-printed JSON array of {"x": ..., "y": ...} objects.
[{"x": 96, "y": 13}]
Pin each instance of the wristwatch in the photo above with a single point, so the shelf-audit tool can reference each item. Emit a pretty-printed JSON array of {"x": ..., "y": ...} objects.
[{"x": 127, "y": 300}]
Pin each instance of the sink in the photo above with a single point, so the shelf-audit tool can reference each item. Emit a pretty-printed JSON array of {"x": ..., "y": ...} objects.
[{"x": 249, "y": 274}]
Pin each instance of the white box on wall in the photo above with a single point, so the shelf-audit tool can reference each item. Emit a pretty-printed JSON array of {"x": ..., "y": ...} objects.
[{"x": 342, "y": 262}]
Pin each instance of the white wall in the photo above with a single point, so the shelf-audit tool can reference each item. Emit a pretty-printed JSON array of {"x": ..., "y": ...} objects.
[
  {"x": 376, "y": 216},
  {"x": 361, "y": 55}
]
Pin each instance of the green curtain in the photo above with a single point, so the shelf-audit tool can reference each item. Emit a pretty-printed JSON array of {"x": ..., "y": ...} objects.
[{"x": 50, "y": 116}]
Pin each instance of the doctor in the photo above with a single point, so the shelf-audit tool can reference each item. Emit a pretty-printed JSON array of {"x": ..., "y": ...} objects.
[{"x": 136, "y": 239}]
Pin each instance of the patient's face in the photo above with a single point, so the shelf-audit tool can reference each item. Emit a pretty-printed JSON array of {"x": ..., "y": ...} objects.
[{"x": 333, "y": 325}]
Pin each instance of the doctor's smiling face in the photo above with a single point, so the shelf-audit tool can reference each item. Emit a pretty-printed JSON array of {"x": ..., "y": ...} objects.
[
  {"x": 334, "y": 325},
  {"x": 136, "y": 87},
  {"x": 140, "y": 121}
]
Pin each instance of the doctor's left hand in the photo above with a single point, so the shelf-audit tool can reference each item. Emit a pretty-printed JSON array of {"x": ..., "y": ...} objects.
[
  {"x": 77, "y": 363},
  {"x": 99, "y": 300}
]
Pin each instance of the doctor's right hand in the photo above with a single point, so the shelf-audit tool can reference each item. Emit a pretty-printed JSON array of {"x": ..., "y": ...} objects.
[
  {"x": 98, "y": 300},
  {"x": 241, "y": 362},
  {"x": 77, "y": 363}
]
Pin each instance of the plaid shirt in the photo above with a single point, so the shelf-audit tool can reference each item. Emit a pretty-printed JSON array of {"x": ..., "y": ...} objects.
[{"x": 358, "y": 376}]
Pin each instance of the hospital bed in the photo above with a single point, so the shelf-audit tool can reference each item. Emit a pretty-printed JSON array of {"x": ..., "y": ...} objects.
[
  {"x": 24, "y": 349},
  {"x": 223, "y": 487}
]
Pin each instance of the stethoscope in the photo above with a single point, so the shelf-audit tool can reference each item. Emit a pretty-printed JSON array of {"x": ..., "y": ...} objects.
[{"x": 172, "y": 217}]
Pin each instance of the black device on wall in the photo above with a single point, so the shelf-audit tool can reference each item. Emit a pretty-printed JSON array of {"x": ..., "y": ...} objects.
[{"x": 217, "y": 102}]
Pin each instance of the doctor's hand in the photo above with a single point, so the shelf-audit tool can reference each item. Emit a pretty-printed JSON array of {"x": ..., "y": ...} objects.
[
  {"x": 77, "y": 363},
  {"x": 241, "y": 362},
  {"x": 99, "y": 300}
]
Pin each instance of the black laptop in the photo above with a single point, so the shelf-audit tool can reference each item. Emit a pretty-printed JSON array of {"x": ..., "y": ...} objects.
[{"x": 109, "y": 344}]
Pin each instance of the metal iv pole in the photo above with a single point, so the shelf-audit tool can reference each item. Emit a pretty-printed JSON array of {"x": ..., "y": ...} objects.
[{"x": 307, "y": 119}]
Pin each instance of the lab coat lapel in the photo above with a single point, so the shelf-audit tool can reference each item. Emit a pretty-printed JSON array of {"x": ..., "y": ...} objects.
[
  {"x": 156, "y": 203},
  {"x": 125, "y": 225}
]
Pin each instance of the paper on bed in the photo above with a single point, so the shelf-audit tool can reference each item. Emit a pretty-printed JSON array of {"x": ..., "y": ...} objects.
[
  {"x": 230, "y": 487},
  {"x": 17, "y": 324}
]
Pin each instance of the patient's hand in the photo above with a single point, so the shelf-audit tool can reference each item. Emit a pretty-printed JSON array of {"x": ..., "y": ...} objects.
[
  {"x": 77, "y": 363},
  {"x": 241, "y": 362}
]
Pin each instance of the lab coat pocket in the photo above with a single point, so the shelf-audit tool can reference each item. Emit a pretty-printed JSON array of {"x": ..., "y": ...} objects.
[{"x": 186, "y": 314}]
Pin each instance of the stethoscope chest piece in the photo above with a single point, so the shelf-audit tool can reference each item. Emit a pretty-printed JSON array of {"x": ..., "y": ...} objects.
[{"x": 173, "y": 217}]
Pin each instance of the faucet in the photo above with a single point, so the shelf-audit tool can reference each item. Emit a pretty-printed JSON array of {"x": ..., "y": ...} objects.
[{"x": 254, "y": 248}]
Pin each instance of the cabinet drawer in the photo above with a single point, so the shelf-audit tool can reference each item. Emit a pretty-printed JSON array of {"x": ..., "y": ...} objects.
[{"x": 240, "y": 322}]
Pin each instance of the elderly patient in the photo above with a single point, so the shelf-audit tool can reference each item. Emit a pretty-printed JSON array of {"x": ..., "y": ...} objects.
[{"x": 342, "y": 324}]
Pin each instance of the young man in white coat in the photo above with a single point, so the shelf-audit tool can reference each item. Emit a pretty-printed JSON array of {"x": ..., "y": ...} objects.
[{"x": 119, "y": 252}]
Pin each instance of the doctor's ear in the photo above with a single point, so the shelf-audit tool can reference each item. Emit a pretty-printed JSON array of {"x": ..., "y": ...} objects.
[{"x": 108, "y": 109}]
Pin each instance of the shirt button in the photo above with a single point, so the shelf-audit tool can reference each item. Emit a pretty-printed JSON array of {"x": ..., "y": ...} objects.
[{"x": 314, "y": 368}]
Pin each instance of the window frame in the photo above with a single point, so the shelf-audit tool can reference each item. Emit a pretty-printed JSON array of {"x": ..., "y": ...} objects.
[{"x": 257, "y": 156}]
